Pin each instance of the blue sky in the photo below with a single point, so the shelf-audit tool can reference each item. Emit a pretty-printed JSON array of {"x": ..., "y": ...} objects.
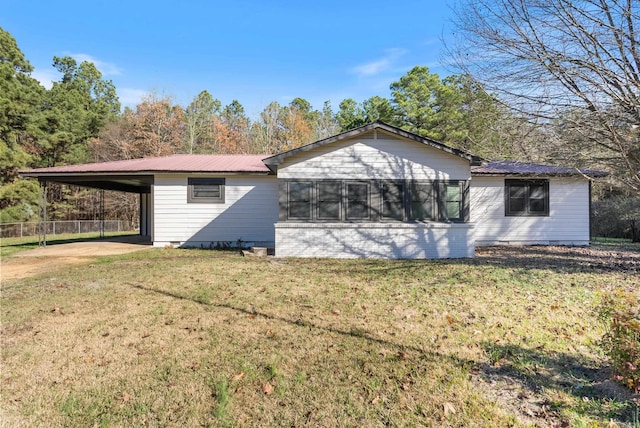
[{"x": 252, "y": 51}]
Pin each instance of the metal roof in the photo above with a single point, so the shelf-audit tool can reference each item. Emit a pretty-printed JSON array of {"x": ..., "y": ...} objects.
[
  {"x": 173, "y": 163},
  {"x": 531, "y": 170}
]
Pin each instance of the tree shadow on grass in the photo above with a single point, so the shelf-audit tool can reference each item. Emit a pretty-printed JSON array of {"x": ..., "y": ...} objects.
[
  {"x": 355, "y": 332},
  {"x": 535, "y": 375}
]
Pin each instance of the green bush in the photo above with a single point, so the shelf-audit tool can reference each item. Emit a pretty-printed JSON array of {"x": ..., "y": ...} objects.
[{"x": 620, "y": 309}]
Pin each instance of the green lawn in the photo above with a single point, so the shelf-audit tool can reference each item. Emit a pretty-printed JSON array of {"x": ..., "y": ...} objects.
[{"x": 169, "y": 337}]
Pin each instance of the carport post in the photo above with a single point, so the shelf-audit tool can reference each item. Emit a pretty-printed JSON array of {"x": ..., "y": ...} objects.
[{"x": 42, "y": 227}]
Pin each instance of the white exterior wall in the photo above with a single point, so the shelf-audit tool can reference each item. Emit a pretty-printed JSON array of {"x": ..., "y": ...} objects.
[
  {"x": 376, "y": 157},
  {"x": 567, "y": 223},
  {"x": 384, "y": 158},
  {"x": 248, "y": 213},
  {"x": 374, "y": 240}
]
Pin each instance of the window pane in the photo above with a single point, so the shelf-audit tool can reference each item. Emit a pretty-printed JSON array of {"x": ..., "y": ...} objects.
[
  {"x": 453, "y": 196},
  {"x": 299, "y": 210},
  {"x": 299, "y": 191},
  {"x": 329, "y": 195},
  {"x": 357, "y": 201},
  {"x": 453, "y": 192},
  {"x": 329, "y": 210},
  {"x": 300, "y": 200},
  {"x": 516, "y": 205},
  {"x": 453, "y": 210},
  {"x": 517, "y": 198},
  {"x": 200, "y": 191},
  {"x": 392, "y": 200},
  {"x": 422, "y": 201}
]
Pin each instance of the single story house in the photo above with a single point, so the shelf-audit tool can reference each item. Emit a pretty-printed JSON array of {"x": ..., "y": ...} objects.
[{"x": 375, "y": 191}]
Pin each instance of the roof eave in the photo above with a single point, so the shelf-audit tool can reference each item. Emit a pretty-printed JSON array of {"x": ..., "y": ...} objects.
[{"x": 272, "y": 162}]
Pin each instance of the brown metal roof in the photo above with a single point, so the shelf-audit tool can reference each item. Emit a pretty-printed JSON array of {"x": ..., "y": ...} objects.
[
  {"x": 531, "y": 169},
  {"x": 173, "y": 163}
]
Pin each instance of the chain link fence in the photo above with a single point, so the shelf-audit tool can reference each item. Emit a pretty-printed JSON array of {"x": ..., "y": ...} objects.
[{"x": 18, "y": 230}]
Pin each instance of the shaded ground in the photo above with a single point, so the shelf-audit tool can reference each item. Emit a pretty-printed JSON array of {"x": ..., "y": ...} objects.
[
  {"x": 55, "y": 257},
  {"x": 563, "y": 259}
]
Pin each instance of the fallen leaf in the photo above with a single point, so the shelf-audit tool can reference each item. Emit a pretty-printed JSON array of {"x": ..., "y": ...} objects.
[
  {"x": 449, "y": 409},
  {"x": 450, "y": 319},
  {"x": 267, "y": 388},
  {"x": 375, "y": 400},
  {"x": 237, "y": 377}
]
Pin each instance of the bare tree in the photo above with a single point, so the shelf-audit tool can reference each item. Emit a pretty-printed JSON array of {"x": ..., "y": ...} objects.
[{"x": 570, "y": 65}]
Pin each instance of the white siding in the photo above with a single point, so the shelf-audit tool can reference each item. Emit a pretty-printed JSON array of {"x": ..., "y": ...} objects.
[
  {"x": 374, "y": 157},
  {"x": 567, "y": 223},
  {"x": 374, "y": 240},
  {"x": 248, "y": 213},
  {"x": 383, "y": 158}
]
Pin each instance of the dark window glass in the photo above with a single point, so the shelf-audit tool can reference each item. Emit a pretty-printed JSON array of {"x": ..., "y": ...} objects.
[
  {"x": 422, "y": 201},
  {"x": 526, "y": 197},
  {"x": 300, "y": 200},
  {"x": 517, "y": 197},
  {"x": 392, "y": 200},
  {"x": 205, "y": 190},
  {"x": 537, "y": 198},
  {"x": 329, "y": 196},
  {"x": 357, "y": 201}
]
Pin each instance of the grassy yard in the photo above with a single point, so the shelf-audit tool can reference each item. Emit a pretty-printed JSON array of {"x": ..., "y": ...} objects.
[{"x": 167, "y": 337}]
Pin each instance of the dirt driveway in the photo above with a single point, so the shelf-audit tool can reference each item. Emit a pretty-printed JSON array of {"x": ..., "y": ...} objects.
[{"x": 55, "y": 257}]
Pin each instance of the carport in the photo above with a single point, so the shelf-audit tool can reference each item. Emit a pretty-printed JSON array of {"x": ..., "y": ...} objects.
[{"x": 104, "y": 176}]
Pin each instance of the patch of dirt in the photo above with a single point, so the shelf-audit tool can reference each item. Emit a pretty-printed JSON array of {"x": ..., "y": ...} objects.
[
  {"x": 525, "y": 398},
  {"x": 56, "y": 257},
  {"x": 562, "y": 258}
]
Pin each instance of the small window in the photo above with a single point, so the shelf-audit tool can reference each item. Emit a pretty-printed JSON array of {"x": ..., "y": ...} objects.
[
  {"x": 206, "y": 190},
  {"x": 357, "y": 201},
  {"x": 392, "y": 200},
  {"x": 422, "y": 201},
  {"x": 329, "y": 197},
  {"x": 526, "y": 197},
  {"x": 300, "y": 200}
]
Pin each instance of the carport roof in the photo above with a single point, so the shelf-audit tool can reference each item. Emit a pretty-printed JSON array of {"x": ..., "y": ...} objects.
[
  {"x": 136, "y": 175},
  {"x": 173, "y": 163}
]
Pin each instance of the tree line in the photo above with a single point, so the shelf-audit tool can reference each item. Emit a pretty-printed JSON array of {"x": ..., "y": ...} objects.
[{"x": 499, "y": 108}]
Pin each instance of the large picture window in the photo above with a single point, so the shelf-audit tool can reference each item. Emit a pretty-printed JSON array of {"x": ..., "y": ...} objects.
[
  {"x": 526, "y": 197},
  {"x": 205, "y": 190},
  {"x": 374, "y": 200}
]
